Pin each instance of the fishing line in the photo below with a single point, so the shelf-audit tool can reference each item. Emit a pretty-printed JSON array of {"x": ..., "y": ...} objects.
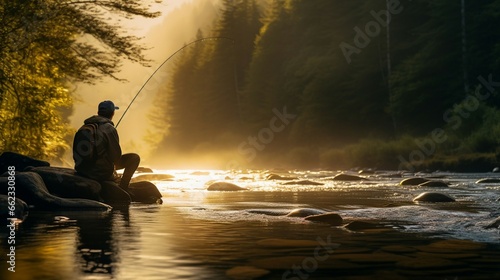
[{"x": 179, "y": 50}]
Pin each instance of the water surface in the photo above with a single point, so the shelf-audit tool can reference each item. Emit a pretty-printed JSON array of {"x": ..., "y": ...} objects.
[{"x": 197, "y": 234}]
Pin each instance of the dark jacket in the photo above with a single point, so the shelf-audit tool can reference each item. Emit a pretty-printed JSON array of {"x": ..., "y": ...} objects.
[{"x": 108, "y": 151}]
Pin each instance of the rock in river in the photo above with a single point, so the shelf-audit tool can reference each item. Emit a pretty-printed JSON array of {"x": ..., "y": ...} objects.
[
  {"x": 142, "y": 169},
  {"x": 145, "y": 192},
  {"x": 64, "y": 182},
  {"x": 279, "y": 177},
  {"x": 31, "y": 189},
  {"x": 224, "y": 186},
  {"x": 303, "y": 182},
  {"x": 494, "y": 224},
  {"x": 347, "y": 177},
  {"x": 433, "y": 197},
  {"x": 152, "y": 177},
  {"x": 488, "y": 180},
  {"x": 304, "y": 212},
  {"x": 413, "y": 181},
  {"x": 333, "y": 219},
  {"x": 434, "y": 184}
]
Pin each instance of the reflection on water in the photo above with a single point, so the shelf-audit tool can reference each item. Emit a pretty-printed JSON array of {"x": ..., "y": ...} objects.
[
  {"x": 96, "y": 244},
  {"x": 197, "y": 234}
]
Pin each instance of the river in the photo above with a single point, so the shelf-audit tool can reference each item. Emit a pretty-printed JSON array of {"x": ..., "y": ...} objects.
[{"x": 200, "y": 234}]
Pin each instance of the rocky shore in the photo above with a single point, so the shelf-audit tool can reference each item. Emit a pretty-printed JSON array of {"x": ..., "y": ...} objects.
[{"x": 30, "y": 184}]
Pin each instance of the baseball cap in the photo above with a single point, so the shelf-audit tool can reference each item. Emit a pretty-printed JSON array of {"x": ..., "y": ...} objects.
[{"x": 107, "y": 107}]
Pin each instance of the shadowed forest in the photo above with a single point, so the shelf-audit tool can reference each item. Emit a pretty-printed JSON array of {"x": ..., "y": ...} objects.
[
  {"x": 364, "y": 89},
  {"x": 297, "y": 83}
]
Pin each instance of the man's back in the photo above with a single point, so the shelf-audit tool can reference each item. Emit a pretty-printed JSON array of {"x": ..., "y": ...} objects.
[{"x": 108, "y": 151}]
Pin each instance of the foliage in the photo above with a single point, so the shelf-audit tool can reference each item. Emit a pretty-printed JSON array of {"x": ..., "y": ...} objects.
[{"x": 45, "y": 45}]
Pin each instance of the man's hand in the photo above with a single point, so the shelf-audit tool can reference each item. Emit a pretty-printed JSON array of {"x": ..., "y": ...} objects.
[{"x": 117, "y": 177}]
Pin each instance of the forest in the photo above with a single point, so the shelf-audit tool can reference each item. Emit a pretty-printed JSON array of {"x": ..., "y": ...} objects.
[
  {"x": 393, "y": 84},
  {"x": 379, "y": 84}
]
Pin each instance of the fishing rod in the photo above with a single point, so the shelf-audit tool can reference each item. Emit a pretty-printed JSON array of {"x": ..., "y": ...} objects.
[{"x": 168, "y": 58}]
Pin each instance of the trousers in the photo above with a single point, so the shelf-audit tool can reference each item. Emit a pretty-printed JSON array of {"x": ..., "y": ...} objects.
[{"x": 128, "y": 162}]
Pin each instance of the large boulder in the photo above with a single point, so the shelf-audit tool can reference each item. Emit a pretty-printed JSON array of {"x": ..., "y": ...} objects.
[
  {"x": 145, "y": 192},
  {"x": 31, "y": 189},
  {"x": 64, "y": 182},
  {"x": 113, "y": 194},
  {"x": 19, "y": 161}
]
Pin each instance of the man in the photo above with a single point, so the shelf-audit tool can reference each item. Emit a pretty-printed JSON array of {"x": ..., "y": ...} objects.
[{"x": 108, "y": 152}]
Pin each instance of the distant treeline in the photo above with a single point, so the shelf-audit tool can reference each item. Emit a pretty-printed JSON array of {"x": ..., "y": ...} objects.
[{"x": 354, "y": 74}]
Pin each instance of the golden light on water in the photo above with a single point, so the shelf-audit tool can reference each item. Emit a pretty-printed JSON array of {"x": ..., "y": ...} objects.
[{"x": 200, "y": 234}]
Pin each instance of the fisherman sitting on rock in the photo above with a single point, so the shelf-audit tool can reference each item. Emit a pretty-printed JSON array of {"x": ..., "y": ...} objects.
[{"x": 97, "y": 152}]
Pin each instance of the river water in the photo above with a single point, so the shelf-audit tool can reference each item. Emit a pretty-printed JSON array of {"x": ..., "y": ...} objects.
[{"x": 200, "y": 234}]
